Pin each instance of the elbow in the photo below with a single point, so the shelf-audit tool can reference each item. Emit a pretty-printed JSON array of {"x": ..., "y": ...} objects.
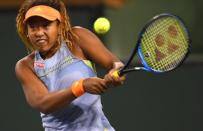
[
  {"x": 43, "y": 109},
  {"x": 41, "y": 106}
]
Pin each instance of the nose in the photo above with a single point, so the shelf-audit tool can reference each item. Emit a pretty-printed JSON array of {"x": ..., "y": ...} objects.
[{"x": 39, "y": 31}]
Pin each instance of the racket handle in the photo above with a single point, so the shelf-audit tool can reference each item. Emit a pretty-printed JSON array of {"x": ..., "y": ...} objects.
[{"x": 116, "y": 74}]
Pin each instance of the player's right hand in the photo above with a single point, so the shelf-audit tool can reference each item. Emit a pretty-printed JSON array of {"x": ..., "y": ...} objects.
[{"x": 94, "y": 85}]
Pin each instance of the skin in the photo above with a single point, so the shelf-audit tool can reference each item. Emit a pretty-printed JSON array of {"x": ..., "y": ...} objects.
[{"x": 43, "y": 35}]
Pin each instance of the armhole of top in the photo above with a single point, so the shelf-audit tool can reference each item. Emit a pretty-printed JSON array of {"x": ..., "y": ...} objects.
[{"x": 90, "y": 65}]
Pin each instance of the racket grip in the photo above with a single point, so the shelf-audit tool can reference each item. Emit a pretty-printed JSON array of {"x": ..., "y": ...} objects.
[{"x": 116, "y": 74}]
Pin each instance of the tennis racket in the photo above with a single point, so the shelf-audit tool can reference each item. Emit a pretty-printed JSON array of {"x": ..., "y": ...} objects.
[{"x": 162, "y": 46}]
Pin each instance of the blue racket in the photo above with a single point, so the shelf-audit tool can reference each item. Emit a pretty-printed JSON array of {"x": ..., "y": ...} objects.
[{"x": 162, "y": 46}]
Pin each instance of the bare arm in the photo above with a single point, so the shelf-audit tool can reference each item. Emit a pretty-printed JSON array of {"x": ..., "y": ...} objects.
[
  {"x": 36, "y": 92},
  {"x": 40, "y": 98},
  {"x": 93, "y": 48}
]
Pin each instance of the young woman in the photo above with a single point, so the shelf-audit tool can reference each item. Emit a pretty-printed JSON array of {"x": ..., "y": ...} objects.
[{"x": 57, "y": 76}]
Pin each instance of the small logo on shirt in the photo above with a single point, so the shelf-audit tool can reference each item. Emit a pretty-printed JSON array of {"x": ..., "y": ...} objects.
[{"x": 39, "y": 64}]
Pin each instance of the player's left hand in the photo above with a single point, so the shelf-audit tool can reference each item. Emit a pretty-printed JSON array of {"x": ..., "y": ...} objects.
[{"x": 113, "y": 80}]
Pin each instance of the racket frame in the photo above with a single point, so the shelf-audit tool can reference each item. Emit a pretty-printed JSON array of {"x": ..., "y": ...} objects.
[{"x": 137, "y": 48}]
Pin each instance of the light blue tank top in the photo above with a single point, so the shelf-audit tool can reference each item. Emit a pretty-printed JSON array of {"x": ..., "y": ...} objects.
[{"x": 59, "y": 72}]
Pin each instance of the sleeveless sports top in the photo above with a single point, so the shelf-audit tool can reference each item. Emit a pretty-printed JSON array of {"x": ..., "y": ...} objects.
[{"x": 59, "y": 72}]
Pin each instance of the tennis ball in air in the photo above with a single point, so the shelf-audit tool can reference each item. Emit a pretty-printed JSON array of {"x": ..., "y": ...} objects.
[{"x": 102, "y": 25}]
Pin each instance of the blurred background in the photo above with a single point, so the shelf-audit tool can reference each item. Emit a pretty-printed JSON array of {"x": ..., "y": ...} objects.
[{"x": 146, "y": 102}]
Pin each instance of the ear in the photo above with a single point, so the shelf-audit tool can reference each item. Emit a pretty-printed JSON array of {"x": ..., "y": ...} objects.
[
  {"x": 26, "y": 33},
  {"x": 59, "y": 28}
]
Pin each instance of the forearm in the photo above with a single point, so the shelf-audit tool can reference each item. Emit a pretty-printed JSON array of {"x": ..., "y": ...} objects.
[
  {"x": 111, "y": 62},
  {"x": 55, "y": 100}
]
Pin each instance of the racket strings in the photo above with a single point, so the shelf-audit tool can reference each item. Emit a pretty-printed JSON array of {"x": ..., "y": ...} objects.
[{"x": 164, "y": 44}]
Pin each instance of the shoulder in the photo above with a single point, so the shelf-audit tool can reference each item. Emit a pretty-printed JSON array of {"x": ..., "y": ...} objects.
[
  {"x": 83, "y": 33},
  {"x": 79, "y": 29},
  {"x": 85, "y": 37},
  {"x": 24, "y": 63}
]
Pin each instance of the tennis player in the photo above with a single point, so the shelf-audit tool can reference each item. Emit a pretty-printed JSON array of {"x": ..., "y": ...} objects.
[{"x": 57, "y": 76}]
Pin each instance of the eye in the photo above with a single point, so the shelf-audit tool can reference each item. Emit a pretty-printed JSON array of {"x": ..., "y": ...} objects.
[
  {"x": 46, "y": 24},
  {"x": 31, "y": 26}
]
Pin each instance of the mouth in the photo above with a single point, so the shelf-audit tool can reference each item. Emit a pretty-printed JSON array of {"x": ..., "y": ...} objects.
[{"x": 41, "y": 41}]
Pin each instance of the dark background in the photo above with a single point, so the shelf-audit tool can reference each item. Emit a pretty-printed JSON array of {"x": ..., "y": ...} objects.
[{"x": 146, "y": 102}]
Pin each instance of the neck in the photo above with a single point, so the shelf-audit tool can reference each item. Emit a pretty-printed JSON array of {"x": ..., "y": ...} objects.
[{"x": 51, "y": 52}]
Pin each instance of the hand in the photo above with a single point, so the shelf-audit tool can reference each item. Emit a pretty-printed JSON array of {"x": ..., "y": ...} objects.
[
  {"x": 111, "y": 79},
  {"x": 94, "y": 85}
]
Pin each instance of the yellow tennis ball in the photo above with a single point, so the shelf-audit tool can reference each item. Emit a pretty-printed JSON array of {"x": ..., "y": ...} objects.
[{"x": 102, "y": 25}]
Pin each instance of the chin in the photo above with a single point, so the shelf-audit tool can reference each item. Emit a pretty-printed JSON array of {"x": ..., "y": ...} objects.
[{"x": 43, "y": 49}]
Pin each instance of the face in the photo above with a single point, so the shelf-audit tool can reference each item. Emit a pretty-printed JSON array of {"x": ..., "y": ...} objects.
[{"x": 43, "y": 35}]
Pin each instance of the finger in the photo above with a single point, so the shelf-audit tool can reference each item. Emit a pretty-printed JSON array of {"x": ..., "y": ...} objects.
[
  {"x": 101, "y": 85},
  {"x": 108, "y": 79},
  {"x": 122, "y": 78}
]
